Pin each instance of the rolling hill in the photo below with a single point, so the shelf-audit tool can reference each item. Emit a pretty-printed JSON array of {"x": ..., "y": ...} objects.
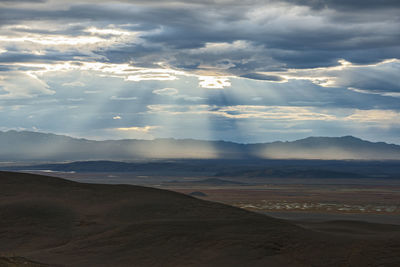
[{"x": 47, "y": 221}]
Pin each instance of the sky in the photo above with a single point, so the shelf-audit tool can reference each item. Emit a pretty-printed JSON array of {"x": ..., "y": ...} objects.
[{"x": 245, "y": 71}]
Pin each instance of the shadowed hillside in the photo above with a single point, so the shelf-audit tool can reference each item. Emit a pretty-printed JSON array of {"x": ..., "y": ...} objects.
[{"x": 53, "y": 221}]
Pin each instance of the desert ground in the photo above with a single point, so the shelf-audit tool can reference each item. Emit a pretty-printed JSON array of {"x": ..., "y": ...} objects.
[
  {"x": 47, "y": 221},
  {"x": 371, "y": 200}
]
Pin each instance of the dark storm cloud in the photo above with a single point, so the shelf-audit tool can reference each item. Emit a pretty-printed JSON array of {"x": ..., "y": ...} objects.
[
  {"x": 251, "y": 40},
  {"x": 70, "y": 31},
  {"x": 104, "y": 13},
  {"x": 22, "y": 1},
  {"x": 301, "y": 93},
  {"x": 50, "y": 56},
  {"x": 262, "y": 77},
  {"x": 347, "y": 5},
  {"x": 379, "y": 79},
  {"x": 179, "y": 28},
  {"x": 5, "y": 68},
  {"x": 291, "y": 45}
]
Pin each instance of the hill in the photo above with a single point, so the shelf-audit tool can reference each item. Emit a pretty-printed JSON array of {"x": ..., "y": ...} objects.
[
  {"x": 47, "y": 220},
  {"x": 34, "y": 146}
]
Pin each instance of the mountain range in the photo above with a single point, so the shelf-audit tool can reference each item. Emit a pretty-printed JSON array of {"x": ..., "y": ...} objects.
[{"x": 36, "y": 146}]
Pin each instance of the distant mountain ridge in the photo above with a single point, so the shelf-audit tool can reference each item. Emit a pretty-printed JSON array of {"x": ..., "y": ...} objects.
[{"x": 36, "y": 146}]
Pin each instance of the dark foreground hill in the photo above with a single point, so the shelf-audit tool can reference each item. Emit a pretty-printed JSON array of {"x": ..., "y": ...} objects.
[{"x": 63, "y": 223}]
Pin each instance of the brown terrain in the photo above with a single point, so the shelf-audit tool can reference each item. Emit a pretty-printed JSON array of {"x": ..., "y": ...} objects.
[
  {"x": 344, "y": 199},
  {"x": 47, "y": 221},
  {"x": 373, "y": 200}
]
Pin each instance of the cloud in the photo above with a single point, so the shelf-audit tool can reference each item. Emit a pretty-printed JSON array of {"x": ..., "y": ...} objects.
[
  {"x": 281, "y": 113},
  {"x": 74, "y": 84},
  {"x": 75, "y": 99},
  {"x": 135, "y": 38},
  {"x": 190, "y": 98},
  {"x": 109, "y": 32},
  {"x": 22, "y": 1},
  {"x": 261, "y": 37},
  {"x": 381, "y": 117},
  {"x": 17, "y": 85},
  {"x": 144, "y": 129},
  {"x": 350, "y": 6},
  {"x": 166, "y": 91},
  {"x": 124, "y": 71},
  {"x": 319, "y": 66},
  {"x": 214, "y": 82},
  {"x": 379, "y": 78},
  {"x": 172, "y": 92},
  {"x": 262, "y": 77},
  {"x": 121, "y": 98},
  {"x": 91, "y": 91}
]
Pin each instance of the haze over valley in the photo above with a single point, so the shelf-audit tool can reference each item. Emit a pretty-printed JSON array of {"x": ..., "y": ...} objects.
[{"x": 35, "y": 146}]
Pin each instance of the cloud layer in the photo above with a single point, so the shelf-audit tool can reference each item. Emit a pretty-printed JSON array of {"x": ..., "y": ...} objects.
[{"x": 246, "y": 70}]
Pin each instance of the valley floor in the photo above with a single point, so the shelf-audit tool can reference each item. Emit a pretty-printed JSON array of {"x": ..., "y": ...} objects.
[{"x": 310, "y": 199}]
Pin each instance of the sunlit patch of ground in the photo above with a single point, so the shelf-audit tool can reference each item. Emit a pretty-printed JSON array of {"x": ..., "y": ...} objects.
[
  {"x": 322, "y": 199},
  {"x": 265, "y": 205}
]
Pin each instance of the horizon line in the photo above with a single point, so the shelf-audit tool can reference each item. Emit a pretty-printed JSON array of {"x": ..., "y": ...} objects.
[{"x": 193, "y": 139}]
